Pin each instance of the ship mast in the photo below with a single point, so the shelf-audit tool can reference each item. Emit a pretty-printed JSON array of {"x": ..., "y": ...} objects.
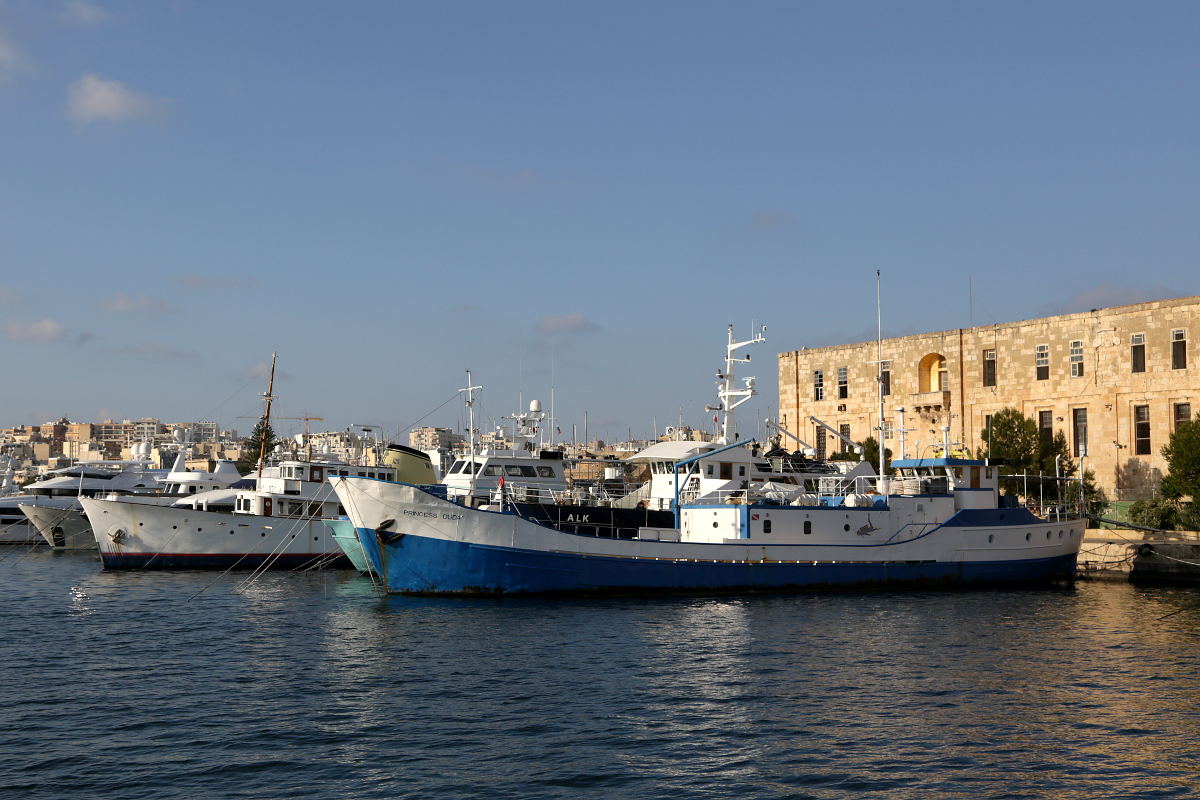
[
  {"x": 262, "y": 444},
  {"x": 727, "y": 392},
  {"x": 470, "y": 390}
]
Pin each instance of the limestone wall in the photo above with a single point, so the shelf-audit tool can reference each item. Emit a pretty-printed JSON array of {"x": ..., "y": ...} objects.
[{"x": 1107, "y": 389}]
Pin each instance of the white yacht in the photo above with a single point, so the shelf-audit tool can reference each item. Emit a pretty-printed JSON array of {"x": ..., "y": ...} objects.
[
  {"x": 68, "y": 528},
  {"x": 276, "y": 522},
  {"x": 57, "y": 493}
]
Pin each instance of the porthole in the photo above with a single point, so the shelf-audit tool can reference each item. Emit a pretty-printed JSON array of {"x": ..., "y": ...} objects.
[
  {"x": 714, "y": 523},
  {"x": 1071, "y": 533},
  {"x": 767, "y": 526},
  {"x": 1060, "y": 534},
  {"x": 314, "y": 538},
  {"x": 991, "y": 538},
  {"x": 1028, "y": 536},
  {"x": 264, "y": 533},
  {"x": 845, "y": 527},
  {"x": 1048, "y": 534},
  {"x": 197, "y": 530},
  {"x": 173, "y": 527},
  {"x": 140, "y": 524},
  {"x": 807, "y": 526}
]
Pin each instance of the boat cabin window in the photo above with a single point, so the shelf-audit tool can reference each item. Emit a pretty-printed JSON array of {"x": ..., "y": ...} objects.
[
  {"x": 191, "y": 490},
  {"x": 457, "y": 468},
  {"x": 316, "y": 474},
  {"x": 958, "y": 473},
  {"x": 545, "y": 472},
  {"x": 493, "y": 470},
  {"x": 520, "y": 471},
  {"x": 343, "y": 473},
  {"x": 710, "y": 470},
  {"x": 741, "y": 470},
  {"x": 726, "y": 471},
  {"x": 987, "y": 472}
]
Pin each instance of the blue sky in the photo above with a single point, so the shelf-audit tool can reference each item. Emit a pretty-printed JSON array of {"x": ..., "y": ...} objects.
[{"x": 388, "y": 194}]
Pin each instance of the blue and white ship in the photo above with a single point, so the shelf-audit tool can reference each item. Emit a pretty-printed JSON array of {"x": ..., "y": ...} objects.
[{"x": 938, "y": 523}]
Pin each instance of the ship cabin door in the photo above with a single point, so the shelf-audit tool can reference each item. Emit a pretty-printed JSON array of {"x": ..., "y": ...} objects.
[
  {"x": 974, "y": 477},
  {"x": 266, "y": 507},
  {"x": 315, "y": 474},
  {"x": 726, "y": 470}
]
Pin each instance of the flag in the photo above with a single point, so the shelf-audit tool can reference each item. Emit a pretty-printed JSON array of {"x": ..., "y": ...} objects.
[
  {"x": 714, "y": 417},
  {"x": 501, "y": 481},
  {"x": 559, "y": 431}
]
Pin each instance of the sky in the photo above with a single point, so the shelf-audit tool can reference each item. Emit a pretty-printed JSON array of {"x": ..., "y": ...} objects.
[{"x": 576, "y": 198}]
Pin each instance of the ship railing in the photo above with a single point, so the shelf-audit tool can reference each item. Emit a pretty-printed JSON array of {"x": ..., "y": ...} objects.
[{"x": 1047, "y": 496}]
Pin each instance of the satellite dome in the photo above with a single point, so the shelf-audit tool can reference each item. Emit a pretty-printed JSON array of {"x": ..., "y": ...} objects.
[{"x": 535, "y": 406}]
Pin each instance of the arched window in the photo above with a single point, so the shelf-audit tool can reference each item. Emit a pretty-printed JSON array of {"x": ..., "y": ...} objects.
[{"x": 933, "y": 376}]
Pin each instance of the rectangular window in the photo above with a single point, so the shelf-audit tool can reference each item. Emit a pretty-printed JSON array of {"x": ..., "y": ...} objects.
[
  {"x": 1179, "y": 349},
  {"x": 1141, "y": 430},
  {"x": 844, "y": 430},
  {"x": 1076, "y": 359},
  {"x": 885, "y": 378},
  {"x": 1137, "y": 352},
  {"x": 1079, "y": 423},
  {"x": 1046, "y": 426},
  {"x": 820, "y": 444},
  {"x": 1183, "y": 413},
  {"x": 818, "y": 384},
  {"x": 989, "y": 367},
  {"x": 1043, "y": 362},
  {"x": 887, "y": 428},
  {"x": 843, "y": 383}
]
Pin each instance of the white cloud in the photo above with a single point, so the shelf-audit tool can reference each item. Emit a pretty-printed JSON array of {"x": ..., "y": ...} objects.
[
  {"x": 766, "y": 219},
  {"x": 47, "y": 330},
  {"x": 1106, "y": 296},
  {"x": 11, "y": 59},
  {"x": 93, "y": 98},
  {"x": 161, "y": 349},
  {"x": 121, "y": 303},
  {"x": 214, "y": 282},
  {"x": 565, "y": 323},
  {"x": 82, "y": 12}
]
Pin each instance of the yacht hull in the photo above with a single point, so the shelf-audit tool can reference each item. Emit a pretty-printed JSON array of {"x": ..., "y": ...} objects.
[
  {"x": 134, "y": 535},
  {"x": 62, "y": 528},
  {"x": 422, "y": 545}
]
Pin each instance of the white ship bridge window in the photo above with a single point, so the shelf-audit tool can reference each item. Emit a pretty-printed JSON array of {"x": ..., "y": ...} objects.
[
  {"x": 520, "y": 471},
  {"x": 545, "y": 472},
  {"x": 493, "y": 470}
]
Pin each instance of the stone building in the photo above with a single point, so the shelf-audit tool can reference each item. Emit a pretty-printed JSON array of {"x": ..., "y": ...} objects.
[{"x": 1115, "y": 381}]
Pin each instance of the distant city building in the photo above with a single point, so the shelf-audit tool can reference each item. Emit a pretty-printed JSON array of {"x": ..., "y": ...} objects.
[{"x": 433, "y": 438}]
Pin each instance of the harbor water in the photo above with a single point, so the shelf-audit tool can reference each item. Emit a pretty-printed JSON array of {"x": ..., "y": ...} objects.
[{"x": 143, "y": 684}]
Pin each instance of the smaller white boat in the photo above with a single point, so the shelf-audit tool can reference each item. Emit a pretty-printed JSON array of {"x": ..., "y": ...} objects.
[
  {"x": 68, "y": 528},
  {"x": 58, "y": 492}
]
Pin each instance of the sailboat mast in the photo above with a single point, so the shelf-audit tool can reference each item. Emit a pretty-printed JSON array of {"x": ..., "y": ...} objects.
[
  {"x": 879, "y": 376},
  {"x": 262, "y": 443}
]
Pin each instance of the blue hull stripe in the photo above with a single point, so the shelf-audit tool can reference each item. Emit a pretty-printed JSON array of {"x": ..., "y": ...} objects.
[{"x": 421, "y": 565}]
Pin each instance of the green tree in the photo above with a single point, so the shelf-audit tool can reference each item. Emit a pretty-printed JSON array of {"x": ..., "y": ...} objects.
[
  {"x": 1013, "y": 438},
  {"x": 1054, "y": 458},
  {"x": 1182, "y": 452},
  {"x": 254, "y": 446},
  {"x": 871, "y": 455}
]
